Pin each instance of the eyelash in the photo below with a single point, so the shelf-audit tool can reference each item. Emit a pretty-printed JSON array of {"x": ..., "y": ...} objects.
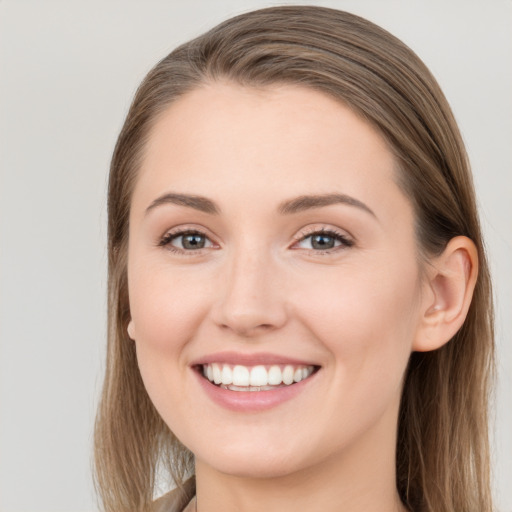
[
  {"x": 345, "y": 242},
  {"x": 169, "y": 237}
]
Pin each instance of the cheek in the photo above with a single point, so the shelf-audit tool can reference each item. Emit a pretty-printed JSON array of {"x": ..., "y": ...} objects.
[
  {"x": 366, "y": 318},
  {"x": 166, "y": 307}
]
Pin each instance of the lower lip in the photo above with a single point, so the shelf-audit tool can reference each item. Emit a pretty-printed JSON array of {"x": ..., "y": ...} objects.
[{"x": 252, "y": 401}]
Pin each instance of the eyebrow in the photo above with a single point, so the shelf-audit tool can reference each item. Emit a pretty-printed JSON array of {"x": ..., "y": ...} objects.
[
  {"x": 289, "y": 207},
  {"x": 200, "y": 203},
  {"x": 302, "y": 203}
]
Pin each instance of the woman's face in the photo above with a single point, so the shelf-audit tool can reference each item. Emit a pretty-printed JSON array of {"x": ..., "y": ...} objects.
[{"x": 269, "y": 241}]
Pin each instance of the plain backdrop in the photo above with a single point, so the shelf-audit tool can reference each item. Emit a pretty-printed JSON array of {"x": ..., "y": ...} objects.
[{"x": 68, "y": 71}]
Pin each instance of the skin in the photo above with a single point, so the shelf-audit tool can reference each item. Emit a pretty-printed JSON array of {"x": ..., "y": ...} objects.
[{"x": 356, "y": 310}]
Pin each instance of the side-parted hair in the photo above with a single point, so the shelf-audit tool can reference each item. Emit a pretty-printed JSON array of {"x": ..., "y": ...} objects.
[{"x": 442, "y": 455}]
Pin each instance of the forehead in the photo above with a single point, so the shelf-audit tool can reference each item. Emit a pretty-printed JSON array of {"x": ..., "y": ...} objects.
[{"x": 263, "y": 145}]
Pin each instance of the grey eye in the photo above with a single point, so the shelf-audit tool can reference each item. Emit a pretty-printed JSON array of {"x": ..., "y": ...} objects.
[
  {"x": 322, "y": 241},
  {"x": 191, "y": 241}
]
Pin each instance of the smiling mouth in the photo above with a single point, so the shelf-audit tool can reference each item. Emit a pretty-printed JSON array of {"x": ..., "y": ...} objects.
[{"x": 255, "y": 378}]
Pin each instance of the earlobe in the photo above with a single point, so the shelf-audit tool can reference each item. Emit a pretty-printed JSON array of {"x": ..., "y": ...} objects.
[
  {"x": 450, "y": 285},
  {"x": 131, "y": 330}
]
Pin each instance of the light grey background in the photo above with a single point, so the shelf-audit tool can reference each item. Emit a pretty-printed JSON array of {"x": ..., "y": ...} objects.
[{"x": 68, "y": 70}]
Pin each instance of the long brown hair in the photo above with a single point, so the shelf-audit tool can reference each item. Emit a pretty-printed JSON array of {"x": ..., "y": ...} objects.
[{"x": 442, "y": 461}]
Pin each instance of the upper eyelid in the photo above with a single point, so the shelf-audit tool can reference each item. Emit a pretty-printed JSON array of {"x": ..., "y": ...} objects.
[
  {"x": 304, "y": 232},
  {"x": 309, "y": 231},
  {"x": 185, "y": 229}
]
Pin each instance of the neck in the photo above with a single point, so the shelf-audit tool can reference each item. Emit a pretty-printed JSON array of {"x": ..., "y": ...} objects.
[{"x": 357, "y": 479}]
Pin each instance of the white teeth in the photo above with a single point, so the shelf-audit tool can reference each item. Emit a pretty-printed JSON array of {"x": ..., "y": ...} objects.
[
  {"x": 255, "y": 378},
  {"x": 217, "y": 374},
  {"x": 259, "y": 376},
  {"x": 288, "y": 375},
  {"x": 275, "y": 377},
  {"x": 226, "y": 375},
  {"x": 240, "y": 376}
]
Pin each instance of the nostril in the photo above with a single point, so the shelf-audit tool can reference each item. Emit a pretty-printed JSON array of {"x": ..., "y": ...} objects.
[{"x": 247, "y": 330}]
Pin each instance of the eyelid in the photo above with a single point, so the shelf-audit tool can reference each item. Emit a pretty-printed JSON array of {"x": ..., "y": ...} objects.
[
  {"x": 340, "y": 235},
  {"x": 165, "y": 240}
]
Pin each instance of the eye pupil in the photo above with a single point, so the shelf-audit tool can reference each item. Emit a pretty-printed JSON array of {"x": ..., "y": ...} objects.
[
  {"x": 322, "y": 242},
  {"x": 193, "y": 241}
]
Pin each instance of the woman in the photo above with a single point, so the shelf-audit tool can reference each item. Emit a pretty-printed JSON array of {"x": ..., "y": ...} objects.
[{"x": 299, "y": 300}]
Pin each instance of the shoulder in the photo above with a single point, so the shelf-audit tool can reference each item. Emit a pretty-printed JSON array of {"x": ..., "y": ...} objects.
[{"x": 177, "y": 499}]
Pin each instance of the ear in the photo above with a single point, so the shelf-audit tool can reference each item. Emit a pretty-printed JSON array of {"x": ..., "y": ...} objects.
[
  {"x": 447, "y": 294},
  {"x": 131, "y": 330}
]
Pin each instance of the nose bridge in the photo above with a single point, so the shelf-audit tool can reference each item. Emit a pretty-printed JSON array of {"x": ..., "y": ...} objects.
[{"x": 250, "y": 299}]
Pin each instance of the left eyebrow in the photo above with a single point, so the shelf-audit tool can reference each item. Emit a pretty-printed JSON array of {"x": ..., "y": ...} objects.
[{"x": 302, "y": 203}]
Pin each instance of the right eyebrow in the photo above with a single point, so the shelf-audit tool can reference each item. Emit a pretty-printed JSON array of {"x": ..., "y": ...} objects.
[{"x": 197, "y": 202}]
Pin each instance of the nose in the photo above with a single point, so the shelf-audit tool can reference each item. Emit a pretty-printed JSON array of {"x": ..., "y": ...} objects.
[{"x": 251, "y": 299}]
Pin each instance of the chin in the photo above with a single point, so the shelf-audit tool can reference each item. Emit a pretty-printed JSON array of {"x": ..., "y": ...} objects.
[
  {"x": 257, "y": 459},
  {"x": 260, "y": 468}
]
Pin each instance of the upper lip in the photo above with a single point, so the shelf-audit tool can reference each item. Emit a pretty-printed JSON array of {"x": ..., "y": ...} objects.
[{"x": 262, "y": 358}]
